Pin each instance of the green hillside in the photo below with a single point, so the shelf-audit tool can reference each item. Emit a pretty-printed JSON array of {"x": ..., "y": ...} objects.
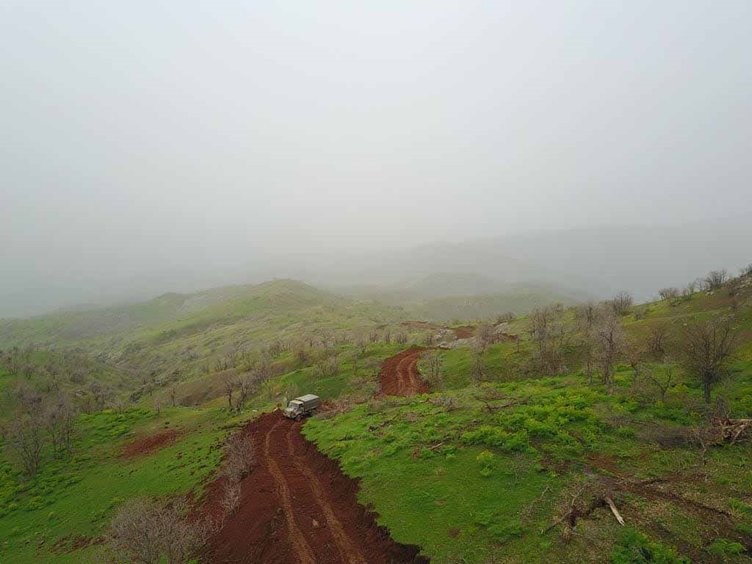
[
  {"x": 511, "y": 457},
  {"x": 513, "y": 465},
  {"x": 176, "y": 338}
]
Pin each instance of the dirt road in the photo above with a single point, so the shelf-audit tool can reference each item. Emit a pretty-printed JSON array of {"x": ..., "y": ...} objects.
[
  {"x": 297, "y": 506},
  {"x": 399, "y": 374}
]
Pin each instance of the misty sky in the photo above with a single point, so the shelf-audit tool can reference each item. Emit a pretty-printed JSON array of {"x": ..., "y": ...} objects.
[{"x": 144, "y": 137}]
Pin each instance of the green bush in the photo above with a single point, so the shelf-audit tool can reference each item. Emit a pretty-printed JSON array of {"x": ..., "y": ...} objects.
[
  {"x": 485, "y": 459},
  {"x": 485, "y": 435},
  {"x": 725, "y": 547},
  {"x": 507, "y": 531},
  {"x": 634, "y": 548}
]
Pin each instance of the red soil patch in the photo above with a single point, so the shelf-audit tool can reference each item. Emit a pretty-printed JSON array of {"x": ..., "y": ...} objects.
[
  {"x": 146, "y": 445},
  {"x": 297, "y": 506},
  {"x": 399, "y": 374},
  {"x": 464, "y": 332}
]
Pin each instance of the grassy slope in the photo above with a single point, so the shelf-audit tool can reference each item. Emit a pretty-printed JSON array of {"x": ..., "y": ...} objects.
[
  {"x": 469, "y": 485},
  {"x": 434, "y": 471},
  {"x": 176, "y": 337},
  {"x": 450, "y": 308},
  {"x": 72, "y": 499},
  {"x": 75, "y": 498}
]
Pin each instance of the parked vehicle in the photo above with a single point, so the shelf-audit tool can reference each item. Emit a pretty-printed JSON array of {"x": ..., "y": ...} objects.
[{"x": 301, "y": 407}]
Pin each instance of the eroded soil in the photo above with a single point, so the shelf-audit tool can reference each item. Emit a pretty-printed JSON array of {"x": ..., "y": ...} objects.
[
  {"x": 146, "y": 445},
  {"x": 399, "y": 374},
  {"x": 298, "y": 506}
]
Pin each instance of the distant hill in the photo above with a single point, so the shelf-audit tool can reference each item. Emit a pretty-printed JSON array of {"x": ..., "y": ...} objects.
[
  {"x": 444, "y": 297},
  {"x": 486, "y": 306},
  {"x": 181, "y": 333},
  {"x": 599, "y": 261}
]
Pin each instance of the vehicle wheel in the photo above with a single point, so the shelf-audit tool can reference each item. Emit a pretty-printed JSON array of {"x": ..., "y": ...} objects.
[{"x": 298, "y": 417}]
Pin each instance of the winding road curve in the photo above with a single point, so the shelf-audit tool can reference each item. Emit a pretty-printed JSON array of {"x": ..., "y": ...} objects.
[
  {"x": 399, "y": 374},
  {"x": 297, "y": 506}
]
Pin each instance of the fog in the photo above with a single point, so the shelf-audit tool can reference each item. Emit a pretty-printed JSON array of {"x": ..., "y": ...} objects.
[{"x": 157, "y": 146}]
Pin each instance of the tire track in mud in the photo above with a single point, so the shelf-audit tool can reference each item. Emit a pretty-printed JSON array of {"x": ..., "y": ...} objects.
[
  {"x": 399, "y": 374},
  {"x": 297, "y": 506},
  {"x": 345, "y": 546},
  {"x": 303, "y": 549}
]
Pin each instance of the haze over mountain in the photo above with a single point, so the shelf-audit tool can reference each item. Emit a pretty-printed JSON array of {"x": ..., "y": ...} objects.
[
  {"x": 574, "y": 264},
  {"x": 429, "y": 281},
  {"x": 156, "y": 147}
]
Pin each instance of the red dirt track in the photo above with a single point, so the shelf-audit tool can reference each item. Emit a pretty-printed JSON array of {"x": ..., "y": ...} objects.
[
  {"x": 147, "y": 445},
  {"x": 298, "y": 506},
  {"x": 399, "y": 374}
]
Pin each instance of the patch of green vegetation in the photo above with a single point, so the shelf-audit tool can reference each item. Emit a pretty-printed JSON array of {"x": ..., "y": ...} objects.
[
  {"x": 460, "y": 501},
  {"x": 634, "y": 547},
  {"x": 437, "y": 466},
  {"x": 725, "y": 548},
  {"x": 76, "y": 497}
]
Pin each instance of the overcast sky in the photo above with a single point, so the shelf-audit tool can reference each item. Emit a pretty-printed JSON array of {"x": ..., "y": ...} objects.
[{"x": 139, "y": 137}]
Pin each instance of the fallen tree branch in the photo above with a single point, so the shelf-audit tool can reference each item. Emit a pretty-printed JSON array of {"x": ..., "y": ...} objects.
[{"x": 614, "y": 510}]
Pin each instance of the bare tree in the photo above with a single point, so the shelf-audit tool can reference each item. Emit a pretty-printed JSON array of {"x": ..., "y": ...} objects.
[
  {"x": 247, "y": 384},
  {"x": 656, "y": 341},
  {"x": 484, "y": 335},
  {"x": 27, "y": 398},
  {"x": 586, "y": 315},
  {"x": 59, "y": 420},
  {"x": 668, "y": 294},
  {"x": 148, "y": 531},
  {"x": 229, "y": 384},
  {"x": 608, "y": 343},
  {"x": 240, "y": 456},
  {"x": 24, "y": 440},
  {"x": 746, "y": 271},
  {"x": 691, "y": 288},
  {"x": 715, "y": 279},
  {"x": 230, "y": 498},
  {"x": 387, "y": 337},
  {"x": 664, "y": 382},
  {"x": 621, "y": 303},
  {"x": 547, "y": 332},
  {"x": 635, "y": 357},
  {"x": 435, "y": 364},
  {"x": 328, "y": 367},
  {"x": 173, "y": 395},
  {"x": 361, "y": 344},
  {"x": 506, "y": 317},
  {"x": 707, "y": 352}
]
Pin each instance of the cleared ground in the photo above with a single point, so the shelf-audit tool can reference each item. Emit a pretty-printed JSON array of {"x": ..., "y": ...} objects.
[
  {"x": 399, "y": 374},
  {"x": 297, "y": 506}
]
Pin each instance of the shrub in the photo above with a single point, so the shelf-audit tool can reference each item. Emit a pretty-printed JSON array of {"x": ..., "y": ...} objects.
[
  {"x": 240, "y": 457},
  {"x": 506, "y": 531},
  {"x": 669, "y": 293},
  {"x": 725, "y": 547},
  {"x": 633, "y": 547},
  {"x": 486, "y": 435},
  {"x": 485, "y": 459},
  {"x": 145, "y": 530}
]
